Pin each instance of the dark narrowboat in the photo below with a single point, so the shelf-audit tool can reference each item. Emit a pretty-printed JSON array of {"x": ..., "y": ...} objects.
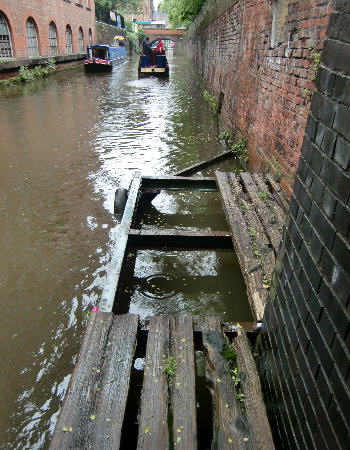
[
  {"x": 154, "y": 64},
  {"x": 104, "y": 57}
]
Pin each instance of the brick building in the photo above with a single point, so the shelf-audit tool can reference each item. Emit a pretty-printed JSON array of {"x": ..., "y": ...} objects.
[{"x": 31, "y": 28}]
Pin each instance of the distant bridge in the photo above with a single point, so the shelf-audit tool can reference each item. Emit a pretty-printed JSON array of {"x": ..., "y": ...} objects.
[{"x": 164, "y": 33}]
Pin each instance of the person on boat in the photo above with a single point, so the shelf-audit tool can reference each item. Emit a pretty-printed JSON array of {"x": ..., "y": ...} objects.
[
  {"x": 146, "y": 47},
  {"x": 160, "y": 46}
]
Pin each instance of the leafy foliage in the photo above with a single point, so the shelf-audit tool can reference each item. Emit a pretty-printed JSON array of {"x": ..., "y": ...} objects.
[
  {"x": 181, "y": 12},
  {"x": 169, "y": 367},
  {"x": 102, "y": 7},
  {"x": 208, "y": 97},
  {"x": 229, "y": 353}
]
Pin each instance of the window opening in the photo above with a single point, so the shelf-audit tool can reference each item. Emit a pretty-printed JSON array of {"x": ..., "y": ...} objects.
[
  {"x": 5, "y": 40},
  {"x": 81, "y": 40},
  {"x": 53, "y": 39},
  {"x": 69, "y": 47},
  {"x": 32, "y": 38},
  {"x": 90, "y": 37}
]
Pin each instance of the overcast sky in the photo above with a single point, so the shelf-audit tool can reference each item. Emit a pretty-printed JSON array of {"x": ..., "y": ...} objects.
[{"x": 156, "y": 3}]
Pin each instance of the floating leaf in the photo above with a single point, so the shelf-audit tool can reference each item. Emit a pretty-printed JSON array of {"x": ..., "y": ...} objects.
[
  {"x": 70, "y": 429},
  {"x": 218, "y": 380},
  {"x": 107, "y": 437},
  {"x": 92, "y": 417},
  {"x": 108, "y": 420},
  {"x": 146, "y": 430},
  {"x": 183, "y": 340},
  {"x": 229, "y": 440},
  {"x": 119, "y": 359},
  {"x": 178, "y": 439},
  {"x": 246, "y": 439},
  {"x": 179, "y": 430},
  {"x": 226, "y": 406},
  {"x": 64, "y": 428}
]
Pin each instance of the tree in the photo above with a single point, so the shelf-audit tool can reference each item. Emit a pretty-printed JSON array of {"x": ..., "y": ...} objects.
[
  {"x": 181, "y": 12},
  {"x": 131, "y": 6}
]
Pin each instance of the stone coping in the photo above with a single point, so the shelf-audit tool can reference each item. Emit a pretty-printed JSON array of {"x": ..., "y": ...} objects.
[{"x": 15, "y": 63}]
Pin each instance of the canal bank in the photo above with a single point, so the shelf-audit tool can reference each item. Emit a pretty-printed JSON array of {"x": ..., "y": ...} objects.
[{"x": 69, "y": 141}]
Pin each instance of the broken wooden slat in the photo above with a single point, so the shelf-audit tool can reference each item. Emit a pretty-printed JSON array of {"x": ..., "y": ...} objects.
[
  {"x": 278, "y": 193},
  {"x": 92, "y": 398},
  {"x": 254, "y": 403},
  {"x": 271, "y": 230},
  {"x": 179, "y": 239},
  {"x": 231, "y": 430},
  {"x": 153, "y": 426},
  {"x": 204, "y": 184},
  {"x": 251, "y": 268},
  {"x": 203, "y": 164},
  {"x": 183, "y": 396},
  {"x": 115, "y": 265}
]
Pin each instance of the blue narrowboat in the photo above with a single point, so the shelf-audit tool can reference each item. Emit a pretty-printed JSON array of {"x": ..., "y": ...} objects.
[{"x": 103, "y": 57}]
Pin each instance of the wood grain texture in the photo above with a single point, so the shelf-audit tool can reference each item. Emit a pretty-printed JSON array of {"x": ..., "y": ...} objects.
[
  {"x": 183, "y": 395},
  {"x": 254, "y": 403},
  {"x": 153, "y": 426},
  {"x": 262, "y": 210},
  {"x": 231, "y": 194},
  {"x": 231, "y": 430},
  {"x": 92, "y": 397}
]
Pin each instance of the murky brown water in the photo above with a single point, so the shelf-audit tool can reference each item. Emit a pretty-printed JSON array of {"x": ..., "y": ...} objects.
[{"x": 66, "y": 144}]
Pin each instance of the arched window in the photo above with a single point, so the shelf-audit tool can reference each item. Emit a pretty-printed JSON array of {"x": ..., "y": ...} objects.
[
  {"x": 32, "y": 38},
  {"x": 81, "y": 40},
  {"x": 69, "y": 47},
  {"x": 5, "y": 39},
  {"x": 53, "y": 38},
  {"x": 90, "y": 36}
]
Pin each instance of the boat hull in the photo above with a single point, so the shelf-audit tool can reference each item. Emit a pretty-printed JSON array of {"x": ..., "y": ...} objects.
[{"x": 154, "y": 71}]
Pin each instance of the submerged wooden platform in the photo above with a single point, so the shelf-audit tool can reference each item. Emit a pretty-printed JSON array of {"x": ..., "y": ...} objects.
[
  {"x": 255, "y": 210},
  {"x": 96, "y": 412}
]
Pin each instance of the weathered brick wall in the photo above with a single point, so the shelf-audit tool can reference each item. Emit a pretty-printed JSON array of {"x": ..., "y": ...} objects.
[
  {"x": 259, "y": 54},
  {"x": 61, "y": 12},
  {"x": 305, "y": 346}
]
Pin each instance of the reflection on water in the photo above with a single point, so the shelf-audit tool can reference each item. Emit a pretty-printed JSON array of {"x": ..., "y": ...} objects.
[
  {"x": 67, "y": 142},
  {"x": 188, "y": 209},
  {"x": 199, "y": 283}
]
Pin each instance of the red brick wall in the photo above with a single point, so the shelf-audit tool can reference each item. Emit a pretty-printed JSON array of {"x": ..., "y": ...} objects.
[
  {"x": 266, "y": 90},
  {"x": 61, "y": 12}
]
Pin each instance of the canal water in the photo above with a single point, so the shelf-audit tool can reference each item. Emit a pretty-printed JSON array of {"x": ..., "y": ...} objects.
[{"x": 67, "y": 142}]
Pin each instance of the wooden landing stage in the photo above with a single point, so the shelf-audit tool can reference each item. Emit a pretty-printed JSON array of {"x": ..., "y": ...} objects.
[{"x": 96, "y": 412}]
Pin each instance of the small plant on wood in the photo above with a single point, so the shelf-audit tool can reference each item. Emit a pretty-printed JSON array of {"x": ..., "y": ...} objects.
[
  {"x": 262, "y": 195},
  {"x": 239, "y": 148},
  {"x": 240, "y": 398},
  {"x": 169, "y": 367},
  {"x": 225, "y": 136},
  {"x": 229, "y": 353}
]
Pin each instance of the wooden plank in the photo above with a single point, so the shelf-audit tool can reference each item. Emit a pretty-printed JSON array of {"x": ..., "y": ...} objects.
[
  {"x": 183, "y": 239},
  {"x": 115, "y": 265},
  {"x": 271, "y": 201},
  {"x": 251, "y": 268},
  {"x": 92, "y": 397},
  {"x": 231, "y": 430},
  {"x": 259, "y": 239},
  {"x": 110, "y": 409},
  {"x": 254, "y": 403},
  {"x": 203, "y": 164},
  {"x": 153, "y": 426},
  {"x": 154, "y": 183},
  {"x": 183, "y": 395},
  {"x": 271, "y": 230}
]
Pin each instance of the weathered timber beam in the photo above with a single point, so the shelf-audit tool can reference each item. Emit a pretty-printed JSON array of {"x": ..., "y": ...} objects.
[
  {"x": 115, "y": 265},
  {"x": 203, "y": 164},
  {"x": 154, "y": 183},
  {"x": 215, "y": 240}
]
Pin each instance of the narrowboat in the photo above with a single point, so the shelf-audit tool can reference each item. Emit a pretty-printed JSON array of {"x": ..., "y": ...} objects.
[
  {"x": 154, "y": 64},
  {"x": 104, "y": 57}
]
